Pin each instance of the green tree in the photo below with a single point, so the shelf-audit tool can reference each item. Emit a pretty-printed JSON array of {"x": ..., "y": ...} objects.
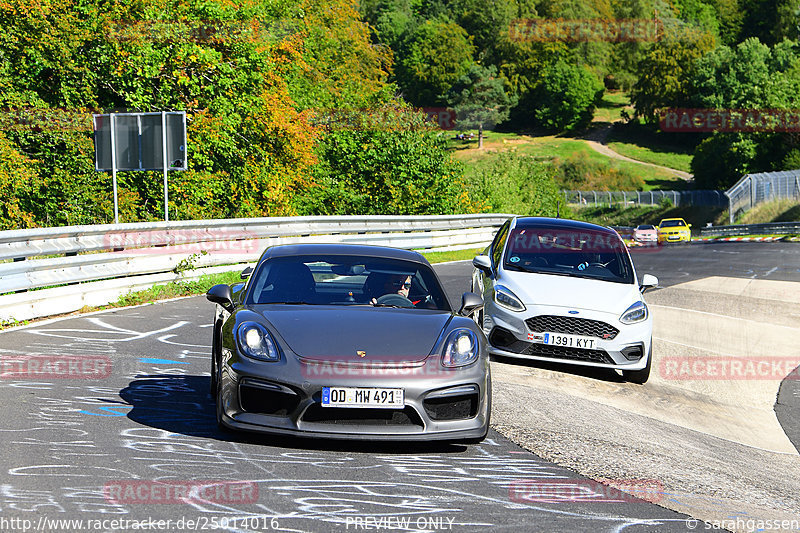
[
  {"x": 480, "y": 100},
  {"x": 567, "y": 97},
  {"x": 485, "y": 22},
  {"x": 720, "y": 160},
  {"x": 770, "y": 21},
  {"x": 750, "y": 76},
  {"x": 666, "y": 72},
  {"x": 515, "y": 183},
  {"x": 390, "y": 161},
  {"x": 438, "y": 54}
]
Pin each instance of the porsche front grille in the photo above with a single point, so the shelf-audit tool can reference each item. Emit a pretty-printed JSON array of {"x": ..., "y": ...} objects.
[
  {"x": 572, "y": 326},
  {"x": 361, "y": 416}
]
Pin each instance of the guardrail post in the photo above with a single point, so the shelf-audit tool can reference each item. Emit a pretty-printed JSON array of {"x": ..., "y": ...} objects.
[
  {"x": 651, "y": 197},
  {"x": 595, "y": 198},
  {"x": 610, "y": 200}
]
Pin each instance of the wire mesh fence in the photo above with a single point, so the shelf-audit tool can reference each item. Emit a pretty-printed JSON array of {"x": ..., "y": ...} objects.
[
  {"x": 635, "y": 198},
  {"x": 754, "y": 189}
]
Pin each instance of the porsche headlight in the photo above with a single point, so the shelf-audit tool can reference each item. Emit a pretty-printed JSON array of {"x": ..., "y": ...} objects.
[
  {"x": 635, "y": 313},
  {"x": 461, "y": 348},
  {"x": 507, "y": 299},
  {"x": 255, "y": 341}
]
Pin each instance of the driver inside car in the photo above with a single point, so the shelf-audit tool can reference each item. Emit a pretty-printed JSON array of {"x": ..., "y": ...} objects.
[{"x": 393, "y": 284}]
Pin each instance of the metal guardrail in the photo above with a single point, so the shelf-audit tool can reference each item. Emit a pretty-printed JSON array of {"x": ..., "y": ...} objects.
[
  {"x": 753, "y": 189},
  {"x": 632, "y": 198},
  {"x": 97, "y": 264},
  {"x": 774, "y": 228}
]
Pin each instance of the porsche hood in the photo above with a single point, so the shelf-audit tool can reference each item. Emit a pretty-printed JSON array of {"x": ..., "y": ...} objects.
[{"x": 356, "y": 333}]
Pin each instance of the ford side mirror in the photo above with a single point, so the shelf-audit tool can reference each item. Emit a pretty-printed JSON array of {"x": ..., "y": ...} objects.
[{"x": 648, "y": 282}]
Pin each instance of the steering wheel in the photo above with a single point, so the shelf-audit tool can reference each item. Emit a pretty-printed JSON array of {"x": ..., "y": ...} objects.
[{"x": 394, "y": 299}]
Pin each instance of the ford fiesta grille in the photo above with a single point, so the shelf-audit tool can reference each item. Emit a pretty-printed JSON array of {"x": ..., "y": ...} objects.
[
  {"x": 562, "y": 352},
  {"x": 572, "y": 326}
]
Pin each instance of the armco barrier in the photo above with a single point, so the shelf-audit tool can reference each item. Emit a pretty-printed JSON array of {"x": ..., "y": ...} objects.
[
  {"x": 97, "y": 264},
  {"x": 774, "y": 228}
]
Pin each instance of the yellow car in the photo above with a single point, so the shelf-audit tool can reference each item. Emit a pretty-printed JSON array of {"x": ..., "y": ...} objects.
[{"x": 674, "y": 230}]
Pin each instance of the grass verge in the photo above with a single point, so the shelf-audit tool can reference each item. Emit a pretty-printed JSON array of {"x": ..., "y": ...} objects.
[
  {"x": 554, "y": 148},
  {"x": 642, "y": 144},
  {"x": 784, "y": 210}
]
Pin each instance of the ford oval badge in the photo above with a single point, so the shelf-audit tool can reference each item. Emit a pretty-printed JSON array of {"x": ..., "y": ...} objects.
[{"x": 573, "y": 312}]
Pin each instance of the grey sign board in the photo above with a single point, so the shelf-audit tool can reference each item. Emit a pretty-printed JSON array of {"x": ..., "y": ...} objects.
[{"x": 139, "y": 141}]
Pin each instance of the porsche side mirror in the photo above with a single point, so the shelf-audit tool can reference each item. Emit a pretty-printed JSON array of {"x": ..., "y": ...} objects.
[
  {"x": 648, "y": 282},
  {"x": 470, "y": 302},
  {"x": 483, "y": 263},
  {"x": 222, "y": 295}
]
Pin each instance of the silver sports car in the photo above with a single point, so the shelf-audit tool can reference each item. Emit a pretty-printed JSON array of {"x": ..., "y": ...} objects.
[{"x": 348, "y": 342}]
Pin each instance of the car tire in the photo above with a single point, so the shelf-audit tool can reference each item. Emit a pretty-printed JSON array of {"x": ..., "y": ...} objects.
[
  {"x": 218, "y": 399},
  {"x": 214, "y": 345},
  {"x": 640, "y": 376}
]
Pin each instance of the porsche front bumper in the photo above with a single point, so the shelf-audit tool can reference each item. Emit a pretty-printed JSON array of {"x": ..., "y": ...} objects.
[{"x": 285, "y": 398}]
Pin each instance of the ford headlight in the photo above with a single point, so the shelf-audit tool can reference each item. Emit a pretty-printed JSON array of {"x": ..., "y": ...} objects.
[
  {"x": 255, "y": 341},
  {"x": 461, "y": 348},
  {"x": 635, "y": 313},
  {"x": 507, "y": 299}
]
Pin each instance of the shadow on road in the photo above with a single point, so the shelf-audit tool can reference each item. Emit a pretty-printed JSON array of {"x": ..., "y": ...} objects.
[
  {"x": 600, "y": 374},
  {"x": 182, "y": 404}
]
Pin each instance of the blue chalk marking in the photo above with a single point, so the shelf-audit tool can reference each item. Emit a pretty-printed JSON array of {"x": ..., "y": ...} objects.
[{"x": 161, "y": 361}]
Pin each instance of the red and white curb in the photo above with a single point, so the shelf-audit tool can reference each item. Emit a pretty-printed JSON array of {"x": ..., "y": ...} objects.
[{"x": 746, "y": 239}]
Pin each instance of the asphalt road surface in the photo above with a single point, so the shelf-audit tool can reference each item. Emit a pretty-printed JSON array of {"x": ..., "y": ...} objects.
[{"x": 133, "y": 444}]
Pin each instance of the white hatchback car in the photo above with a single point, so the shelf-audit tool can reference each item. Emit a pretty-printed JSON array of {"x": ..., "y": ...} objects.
[{"x": 565, "y": 291}]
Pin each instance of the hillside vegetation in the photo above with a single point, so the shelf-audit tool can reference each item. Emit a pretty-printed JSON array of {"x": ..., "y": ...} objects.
[{"x": 313, "y": 107}]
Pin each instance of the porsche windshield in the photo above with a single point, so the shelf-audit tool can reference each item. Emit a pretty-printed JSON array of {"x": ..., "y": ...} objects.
[
  {"x": 346, "y": 280},
  {"x": 567, "y": 252}
]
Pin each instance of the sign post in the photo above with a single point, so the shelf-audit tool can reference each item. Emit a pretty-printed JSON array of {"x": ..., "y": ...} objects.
[{"x": 140, "y": 141}]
